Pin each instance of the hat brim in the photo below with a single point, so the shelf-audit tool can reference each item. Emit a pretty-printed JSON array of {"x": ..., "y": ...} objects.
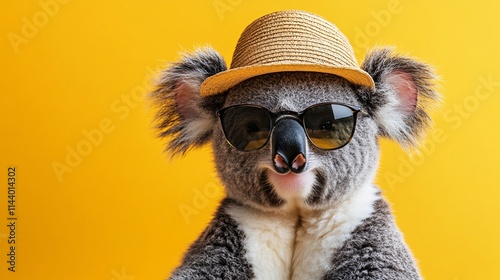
[{"x": 223, "y": 81}]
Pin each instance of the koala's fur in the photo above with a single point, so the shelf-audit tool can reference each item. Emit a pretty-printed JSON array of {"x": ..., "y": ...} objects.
[{"x": 334, "y": 224}]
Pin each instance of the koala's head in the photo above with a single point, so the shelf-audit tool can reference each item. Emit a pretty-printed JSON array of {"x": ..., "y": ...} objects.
[
  {"x": 294, "y": 138},
  {"x": 289, "y": 169}
]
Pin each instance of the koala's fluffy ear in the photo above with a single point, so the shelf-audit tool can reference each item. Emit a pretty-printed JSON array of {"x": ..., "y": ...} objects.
[
  {"x": 405, "y": 91},
  {"x": 183, "y": 116}
]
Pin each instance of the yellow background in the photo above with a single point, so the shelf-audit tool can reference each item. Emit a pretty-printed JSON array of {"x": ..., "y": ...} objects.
[{"x": 115, "y": 212}]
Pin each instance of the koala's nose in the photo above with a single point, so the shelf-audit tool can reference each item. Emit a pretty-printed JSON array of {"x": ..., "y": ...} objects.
[{"x": 288, "y": 146}]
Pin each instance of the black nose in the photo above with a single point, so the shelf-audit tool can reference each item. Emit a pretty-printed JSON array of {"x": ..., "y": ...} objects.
[{"x": 288, "y": 146}]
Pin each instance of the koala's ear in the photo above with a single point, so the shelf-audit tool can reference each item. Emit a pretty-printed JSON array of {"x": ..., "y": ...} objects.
[
  {"x": 183, "y": 116},
  {"x": 405, "y": 91}
]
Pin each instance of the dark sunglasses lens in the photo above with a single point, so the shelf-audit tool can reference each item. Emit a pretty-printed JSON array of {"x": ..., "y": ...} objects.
[
  {"x": 329, "y": 126},
  {"x": 246, "y": 128}
]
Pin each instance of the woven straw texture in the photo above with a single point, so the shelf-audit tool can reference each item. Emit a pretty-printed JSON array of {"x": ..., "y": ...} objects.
[{"x": 289, "y": 41}]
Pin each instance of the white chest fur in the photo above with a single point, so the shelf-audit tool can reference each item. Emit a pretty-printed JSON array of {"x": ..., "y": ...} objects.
[
  {"x": 278, "y": 247},
  {"x": 269, "y": 241}
]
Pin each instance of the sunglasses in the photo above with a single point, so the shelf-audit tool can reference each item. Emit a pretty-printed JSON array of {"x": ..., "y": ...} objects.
[{"x": 328, "y": 126}]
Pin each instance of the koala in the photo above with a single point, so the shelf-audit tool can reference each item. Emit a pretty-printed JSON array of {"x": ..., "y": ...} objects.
[{"x": 297, "y": 153}]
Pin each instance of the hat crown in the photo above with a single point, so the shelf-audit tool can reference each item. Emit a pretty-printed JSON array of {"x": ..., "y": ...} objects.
[
  {"x": 289, "y": 41},
  {"x": 293, "y": 37}
]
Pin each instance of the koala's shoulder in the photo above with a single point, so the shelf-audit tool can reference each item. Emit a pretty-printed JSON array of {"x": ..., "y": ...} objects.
[
  {"x": 376, "y": 249},
  {"x": 219, "y": 251}
]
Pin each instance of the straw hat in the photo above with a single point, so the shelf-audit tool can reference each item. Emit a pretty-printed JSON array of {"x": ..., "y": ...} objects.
[{"x": 289, "y": 41}]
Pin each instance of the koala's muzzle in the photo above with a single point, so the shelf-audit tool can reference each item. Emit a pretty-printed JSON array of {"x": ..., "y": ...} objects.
[{"x": 288, "y": 146}]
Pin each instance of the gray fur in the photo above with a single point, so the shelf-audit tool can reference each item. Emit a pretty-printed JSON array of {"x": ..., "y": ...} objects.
[
  {"x": 181, "y": 81},
  {"x": 376, "y": 249},
  {"x": 218, "y": 253},
  {"x": 296, "y": 91},
  {"x": 381, "y": 63}
]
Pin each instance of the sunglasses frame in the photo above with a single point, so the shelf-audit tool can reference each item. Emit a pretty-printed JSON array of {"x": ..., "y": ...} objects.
[{"x": 299, "y": 116}]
